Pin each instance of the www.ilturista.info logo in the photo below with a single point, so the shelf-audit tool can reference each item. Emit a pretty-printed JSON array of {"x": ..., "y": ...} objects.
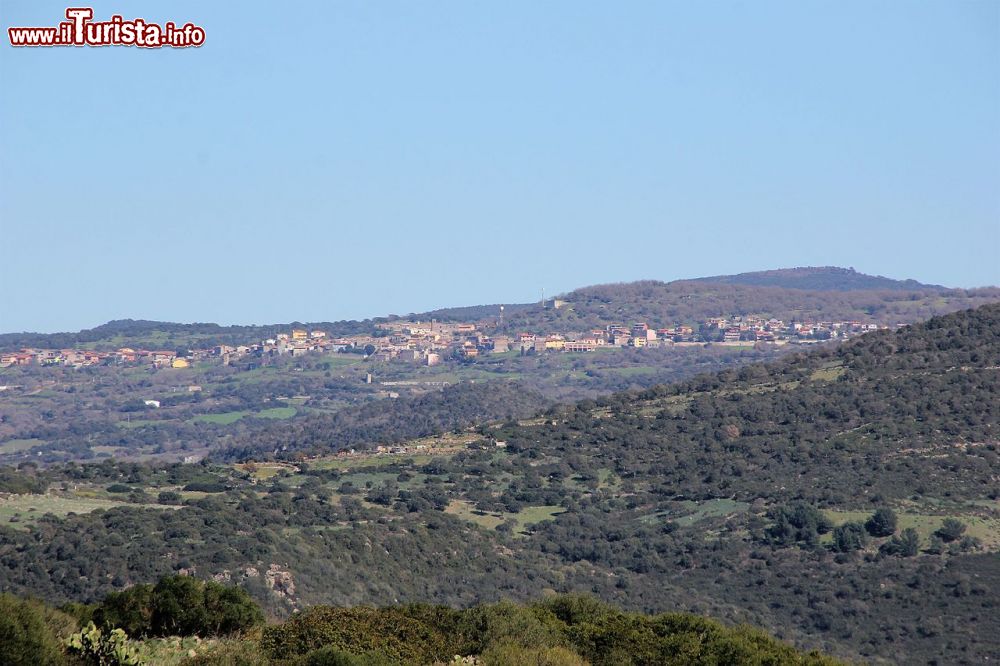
[{"x": 80, "y": 30}]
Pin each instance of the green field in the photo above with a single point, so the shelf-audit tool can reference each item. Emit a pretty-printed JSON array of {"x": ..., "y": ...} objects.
[
  {"x": 223, "y": 418},
  {"x": 525, "y": 517},
  {"x": 264, "y": 471},
  {"x": 227, "y": 418},
  {"x": 985, "y": 529},
  {"x": 828, "y": 373},
  {"x": 28, "y": 508},
  {"x": 15, "y": 445}
]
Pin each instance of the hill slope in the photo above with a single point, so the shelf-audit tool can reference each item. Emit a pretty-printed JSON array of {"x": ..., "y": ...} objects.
[
  {"x": 717, "y": 495},
  {"x": 789, "y": 294},
  {"x": 692, "y": 301},
  {"x": 825, "y": 278}
]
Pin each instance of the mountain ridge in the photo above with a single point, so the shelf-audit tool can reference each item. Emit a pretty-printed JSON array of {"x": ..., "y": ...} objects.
[
  {"x": 820, "y": 278},
  {"x": 780, "y": 292}
]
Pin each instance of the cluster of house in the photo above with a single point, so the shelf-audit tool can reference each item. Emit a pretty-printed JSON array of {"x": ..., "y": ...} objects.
[
  {"x": 294, "y": 343},
  {"x": 416, "y": 342},
  {"x": 429, "y": 343},
  {"x": 78, "y": 358}
]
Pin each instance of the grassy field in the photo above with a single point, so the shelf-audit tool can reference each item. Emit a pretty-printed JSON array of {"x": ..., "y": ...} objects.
[
  {"x": 264, "y": 471},
  {"x": 223, "y": 418},
  {"x": 985, "y": 529},
  {"x": 28, "y": 508},
  {"x": 359, "y": 462},
  {"x": 227, "y": 418},
  {"x": 15, "y": 445},
  {"x": 276, "y": 413},
  {"x": 525, "y": 517},
  {"x": 710, "y": 509},
  {"x": 828, "y": 373}
]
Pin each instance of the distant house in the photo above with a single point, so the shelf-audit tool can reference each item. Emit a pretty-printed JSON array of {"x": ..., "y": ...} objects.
[
  {"x": 621, "y": 339},
  {"x": 555, "y": 342},
  {"x": 152, "y": 403},
  {"x": 408, "y": 356},
  {"x": 180, "y": 363},
  {"x": 24, "y": 358}
]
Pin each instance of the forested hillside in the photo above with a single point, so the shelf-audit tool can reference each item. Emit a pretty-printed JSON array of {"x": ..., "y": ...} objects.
[
  {"x": 692, "y": 301},
  {"x": 825, "y": 278},
  {"x": 181, "y": 620},
  {"x": 788, "y": 294},
  {"x": 846, "y": 500},
  {"x": 387, "y": 422}
]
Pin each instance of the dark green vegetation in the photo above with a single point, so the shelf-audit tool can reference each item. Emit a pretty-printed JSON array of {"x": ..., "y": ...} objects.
[
  {"x": 178, "y": 606},
  {"x": 387, "y": 422},
  {"x": 763, "y": 494},
  {"x": 692, "y": 301},
  {"x": 31, "y": 633},
  {"x": 826, "y": 278},
  {"x": 56, "y": 414},
  {"x": 518, "y": 387},
  {"x": 561, "y": 630}
]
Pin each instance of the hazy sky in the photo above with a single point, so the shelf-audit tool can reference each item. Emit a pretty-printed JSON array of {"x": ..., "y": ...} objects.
[{"x": 328, "y": 160}]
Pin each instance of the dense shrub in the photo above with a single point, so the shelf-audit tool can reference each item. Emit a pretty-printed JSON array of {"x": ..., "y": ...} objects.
[
  {"x": 179, "y": 605},
  {"x": 563, "y": 631},
  {"x": 358, "y": 630},
  {"x": 882, "y": 523},
  {"x": 26, "y": 638},
  {"x": 511, "y": 653},
  {"x": 333, "y": 656},
  {"x": 849, "y": 537},
  {"x": 907, "y": 544},
  {"x": 950, "y": 530}
]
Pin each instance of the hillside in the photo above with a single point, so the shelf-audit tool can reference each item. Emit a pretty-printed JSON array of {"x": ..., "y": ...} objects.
[
  {"x": 386, "y": 422},
  {"x": 296, "y": 403},
  {"x": 692, "y": 301},
  {"x": 846, "y": 500},
  {"x": 825, "y": 278},
  {"x": 183, "y": 621},
  {"x": 788, "y": 294}
]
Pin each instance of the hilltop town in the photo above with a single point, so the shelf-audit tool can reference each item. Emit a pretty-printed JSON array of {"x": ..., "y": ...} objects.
[{"x": 433, "y": 342}]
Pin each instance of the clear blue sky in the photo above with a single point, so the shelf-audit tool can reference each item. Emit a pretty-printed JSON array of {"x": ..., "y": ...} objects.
[{"x": 328, "y": 160}]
